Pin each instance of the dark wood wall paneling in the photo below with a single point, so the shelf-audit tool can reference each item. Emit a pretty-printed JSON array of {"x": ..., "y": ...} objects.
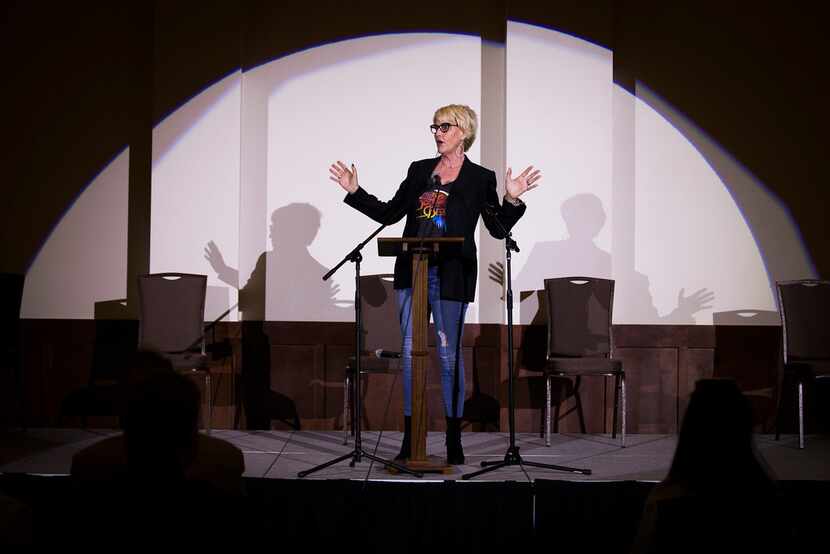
[{"x": 307, "y": 360}]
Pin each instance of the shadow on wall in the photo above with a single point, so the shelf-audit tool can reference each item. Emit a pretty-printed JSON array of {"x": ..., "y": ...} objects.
[
  {"x": 482, "y": 409},
  {"x": 578, "y": 255},
  {"x": 285, "y": 285}
]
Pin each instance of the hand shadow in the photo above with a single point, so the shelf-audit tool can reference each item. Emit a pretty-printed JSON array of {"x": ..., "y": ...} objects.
[{"x": 285, "y": 285}]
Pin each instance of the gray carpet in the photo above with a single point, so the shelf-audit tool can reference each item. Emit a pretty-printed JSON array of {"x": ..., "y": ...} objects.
[{"x": 281, "y": 454}]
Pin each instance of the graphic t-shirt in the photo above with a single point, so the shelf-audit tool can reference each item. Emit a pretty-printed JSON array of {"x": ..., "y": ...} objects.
[{"x": 432, "y": 211}]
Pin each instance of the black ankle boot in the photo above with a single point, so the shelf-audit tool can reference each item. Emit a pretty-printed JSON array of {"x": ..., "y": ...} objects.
[
  {"x": 406, "y": 444},
  {"x": 455, "y": 452}
]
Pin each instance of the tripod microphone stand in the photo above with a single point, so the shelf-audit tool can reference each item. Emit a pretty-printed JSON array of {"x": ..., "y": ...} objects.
[
  {"x": 512, "y": 456},
  {"x": 358, "y": 453}
]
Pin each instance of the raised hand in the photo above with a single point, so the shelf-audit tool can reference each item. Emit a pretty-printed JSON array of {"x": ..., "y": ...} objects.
[
  {"x": 524, "y": 181},
  {"x": 341, "y": 175}
]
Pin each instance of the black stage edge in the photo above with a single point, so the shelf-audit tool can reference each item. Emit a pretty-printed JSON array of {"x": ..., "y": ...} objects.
[{"x": 402, "y": 516}]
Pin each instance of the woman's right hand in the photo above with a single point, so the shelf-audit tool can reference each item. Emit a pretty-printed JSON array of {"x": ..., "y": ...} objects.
[{"x": 344, "y": 177}]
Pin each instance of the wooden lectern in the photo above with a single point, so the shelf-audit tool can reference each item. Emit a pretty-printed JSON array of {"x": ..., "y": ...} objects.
[{"x": 421, "y": 249}]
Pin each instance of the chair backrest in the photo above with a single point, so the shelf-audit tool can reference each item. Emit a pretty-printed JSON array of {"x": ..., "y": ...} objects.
[
  {"x": 171, "y": 310},
  {"x": 579, "y": 311},
  {"x": 805, "y": 312},
  {"x": 379, "y": 312}
]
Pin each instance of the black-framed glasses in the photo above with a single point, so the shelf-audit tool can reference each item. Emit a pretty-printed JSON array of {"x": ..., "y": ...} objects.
[{"x": 443, "y": 126}]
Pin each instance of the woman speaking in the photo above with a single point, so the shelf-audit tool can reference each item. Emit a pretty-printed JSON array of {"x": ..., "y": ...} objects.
[{"x": 442, "y": 196}]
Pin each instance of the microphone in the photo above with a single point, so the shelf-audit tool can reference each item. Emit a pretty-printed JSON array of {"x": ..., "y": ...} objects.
[
  {"x": 433, "y": 182},
  {"x": 380, "y": 353},
  {"x": 433, "y": 185}
]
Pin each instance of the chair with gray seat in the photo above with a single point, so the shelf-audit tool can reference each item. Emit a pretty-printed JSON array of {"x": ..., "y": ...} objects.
[
  {"x": 804, "y": 305},
  {"x": 580, "y": 342},
  {"x": 171, "y": 323}
]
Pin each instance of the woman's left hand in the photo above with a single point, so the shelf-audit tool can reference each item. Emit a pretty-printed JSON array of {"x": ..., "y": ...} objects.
[{"x": 524, "y": 181}]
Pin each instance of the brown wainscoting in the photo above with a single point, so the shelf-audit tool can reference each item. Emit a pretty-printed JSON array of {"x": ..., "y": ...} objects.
[
  {"x": 307, "y": 361},
  {"x": 660, "y": 374},
  {"x": 315, "y": 379}
]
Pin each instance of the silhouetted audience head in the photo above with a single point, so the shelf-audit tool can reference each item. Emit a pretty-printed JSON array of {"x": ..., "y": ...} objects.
[
  {"x": 717, "y": 497},
  {"x": 161, "y": 478},
  {"x": 715, "y": 442},
  {"x": 161, "y": 424}
]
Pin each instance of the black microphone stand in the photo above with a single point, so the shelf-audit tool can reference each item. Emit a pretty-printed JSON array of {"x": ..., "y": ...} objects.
[
  {"x": 358, "y": 453},
  {"x": 512, "y": 456}
]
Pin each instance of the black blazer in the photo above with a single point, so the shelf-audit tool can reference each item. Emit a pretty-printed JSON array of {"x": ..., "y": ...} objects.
[{"x": 474, "y": 188}]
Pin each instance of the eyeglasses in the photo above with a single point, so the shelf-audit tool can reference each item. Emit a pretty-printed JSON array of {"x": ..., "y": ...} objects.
[{"x": 443, "y": 126}]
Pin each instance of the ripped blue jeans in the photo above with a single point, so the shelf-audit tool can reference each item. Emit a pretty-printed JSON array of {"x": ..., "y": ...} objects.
[{"x": 448, "y": 317}]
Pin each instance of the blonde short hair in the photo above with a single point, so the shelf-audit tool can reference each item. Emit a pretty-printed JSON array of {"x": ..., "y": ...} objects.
[{"x": 464, "y": 117}]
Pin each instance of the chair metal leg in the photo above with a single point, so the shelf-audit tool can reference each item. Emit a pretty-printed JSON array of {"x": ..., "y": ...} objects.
[
  {"x": 346, "y": 408},
  {"x": 547, "y": 410},
  {"x": 622, "y": 415},
  {"x": 556, "y": 408},
  {"x": 800, "y": 414}
]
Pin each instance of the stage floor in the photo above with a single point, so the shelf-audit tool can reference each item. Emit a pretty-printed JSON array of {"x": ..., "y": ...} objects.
[{"x": 281, "y": 454}]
